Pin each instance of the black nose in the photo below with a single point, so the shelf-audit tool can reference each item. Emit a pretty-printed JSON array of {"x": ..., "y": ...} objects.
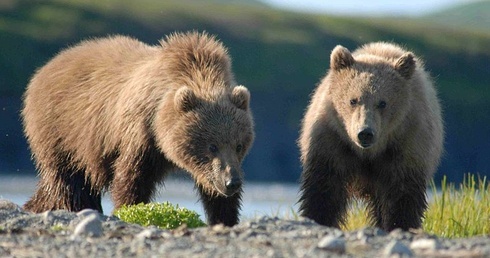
[
  {"x": 233, "y": 185},
  {"x": 366, "y": 137}
]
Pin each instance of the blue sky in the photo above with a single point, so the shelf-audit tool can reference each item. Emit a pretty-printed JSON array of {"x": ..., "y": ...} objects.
[{"x": 367, "y": 7}]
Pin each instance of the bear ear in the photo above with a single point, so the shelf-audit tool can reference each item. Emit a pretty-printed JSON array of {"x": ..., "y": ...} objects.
[
  {"x": 405, "y": 65},
  {"x": 185, "y": 100},
  {"x": 240, "y": 97},
  {"x": 341, "y": 58}
]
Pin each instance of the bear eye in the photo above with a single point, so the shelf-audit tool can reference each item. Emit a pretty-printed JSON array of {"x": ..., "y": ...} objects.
[
  {"x": 239, "y": 148},
  {"x": 353, "y": 102},
  {"x": 213, "y": 148},
  {"x": 382, "y": 104}
]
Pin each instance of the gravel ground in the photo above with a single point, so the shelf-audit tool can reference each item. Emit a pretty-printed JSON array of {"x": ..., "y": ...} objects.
[{"x": 89, "y": 234}]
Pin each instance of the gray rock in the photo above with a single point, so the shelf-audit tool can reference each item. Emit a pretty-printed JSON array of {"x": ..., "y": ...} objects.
[
  {"x": 150, "y": 233},
  {"x": 87, "y": 212},
  {"x": 370, "y": 232},
  {"x": 332, "y": 243},
  {"x": 8, "y": 205},
  {"x": 89, "y": 226},
  {"x": 425, "y": 244},
  {"x": 397, "y": 247},
  {"x": 48, "y": 217}
]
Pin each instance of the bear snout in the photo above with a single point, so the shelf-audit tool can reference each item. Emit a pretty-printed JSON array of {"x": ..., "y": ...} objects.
[
  {"x": 232, "y": 180},
  {"x": 228, "y": 181},
  {"x": 233, "y": 185},
  {"x": 366, "y": 137}
]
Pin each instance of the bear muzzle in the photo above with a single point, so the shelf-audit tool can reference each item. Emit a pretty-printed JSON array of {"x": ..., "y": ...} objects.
[
  {"x": 233, "y": 185},
  {"x": 366, "y": 137},
  {"x": 229, "y": 183}
]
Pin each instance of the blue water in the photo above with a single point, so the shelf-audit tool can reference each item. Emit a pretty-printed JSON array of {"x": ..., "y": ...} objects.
[{"x": 272, "y": 199}]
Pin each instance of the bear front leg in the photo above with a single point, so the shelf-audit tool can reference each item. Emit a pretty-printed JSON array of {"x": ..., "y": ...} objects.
[
  {"x": 131, "y": 188},
  {"x": 220, "y": 209},
  {"x": 136, "y": 176},
  {"x": 374, "y": 210},
  {"x": 402, "y": 206},
  {"x": 323, "y": 194}
]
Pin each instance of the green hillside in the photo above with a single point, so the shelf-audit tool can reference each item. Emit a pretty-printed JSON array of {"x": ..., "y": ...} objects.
[
  {"x": 258, "y": 36},
  {"x": 279, "y": 55},
  {"x": 470, "y": 16}
]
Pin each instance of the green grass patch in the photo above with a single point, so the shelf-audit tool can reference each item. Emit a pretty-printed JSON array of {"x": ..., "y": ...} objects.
[
  {"x": 163, "y": 215},
  {"x": 459, "y": 212},
  {"x": 357, "y": 216},
  {"x": 453, "y": 212}
]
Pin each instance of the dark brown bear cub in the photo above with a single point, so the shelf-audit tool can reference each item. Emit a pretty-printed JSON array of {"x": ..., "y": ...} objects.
[
  {"x": 117, "y": 114},
  {"x": 373, "y": 129}
]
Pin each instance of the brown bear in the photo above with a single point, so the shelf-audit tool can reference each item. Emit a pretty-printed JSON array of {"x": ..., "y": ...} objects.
[
  {"x": 373, "y": 129},
  {"x": 117, "y": 114}
]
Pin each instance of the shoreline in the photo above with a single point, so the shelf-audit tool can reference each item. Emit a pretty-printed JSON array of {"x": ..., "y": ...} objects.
[
  {"x": 66, "y": 234},
  {"x": 258, "y": 199}
]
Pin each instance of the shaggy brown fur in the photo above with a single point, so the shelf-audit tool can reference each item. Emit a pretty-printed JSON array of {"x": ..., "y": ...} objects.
[
  {"x": 373, "y": 129},
  {"x": 115, "y": 113}
]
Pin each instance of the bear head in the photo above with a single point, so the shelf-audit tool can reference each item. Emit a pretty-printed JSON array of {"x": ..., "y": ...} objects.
[
  {"x": 211, "y": 138},
  {"x": 371, "y": 96}
]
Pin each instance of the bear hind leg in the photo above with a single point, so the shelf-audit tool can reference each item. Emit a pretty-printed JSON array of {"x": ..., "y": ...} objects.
[{"x": 64, "y": 188}]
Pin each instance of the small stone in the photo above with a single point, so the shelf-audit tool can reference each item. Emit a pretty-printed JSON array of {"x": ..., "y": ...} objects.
[
  {"x": 332, "y": 243},
  {"x": 87, "y": 212},
  {"x": 182, "y": 230},
  {"x": 47, "y": 216},
  {"x": 8, "y": 205},
  {"x": 370, "y": 232},
  {"x": 245, "y": 235},
  {"x": 379, "y": 232},
  {"x": 396, "y": 232},
  {"x": 263, "y": 219},
  {"x": 364, "y": 240},
  {"x": 166, "y": 234},
  {"x": 337, "y": 232},
  {"x": 218, "y": 228},
  {"x": 397, "y": 247},
  {"x": 150, "y": 233},
  {"x": 425, "y": 244},
  {"x": 89, "y": 226}
]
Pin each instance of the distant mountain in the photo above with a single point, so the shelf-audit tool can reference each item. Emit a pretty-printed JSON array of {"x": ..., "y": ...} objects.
[{"x": 472, "y": 16}]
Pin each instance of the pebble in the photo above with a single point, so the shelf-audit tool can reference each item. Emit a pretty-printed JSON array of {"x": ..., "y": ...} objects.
[
  {"x": 150, "y": 233},
  {"x": 397, "y": 247},
  {"x": 89, "y": 226},
  {"x": 425, "y": 244},
  {"x": 8, "y": 205},
  {"x": 87, "y": 212},
  {"x": 47, "y": 217},
  {"x": 370, "y": 232},
  {"x": 332, "y": 243}
]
